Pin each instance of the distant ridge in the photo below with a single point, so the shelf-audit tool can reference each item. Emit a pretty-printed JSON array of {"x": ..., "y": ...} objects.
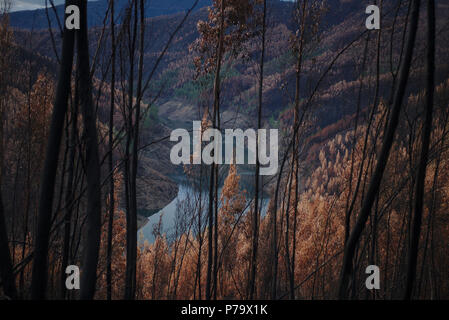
[{"x": 37, "y": 19}]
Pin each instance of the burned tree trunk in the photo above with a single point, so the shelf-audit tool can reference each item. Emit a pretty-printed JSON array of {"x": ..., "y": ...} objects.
[
  {"x": 111, "y": 161},
  {"x": 6, "y": 273},
  {"x": 421, "y": 177},
  {"x": 376, "y": 179},
  {"x": 39, "y": 278},
  {"x": 256, "y": 213},
  {"x": 213, "y": 171},
  {"x": 92, "y": 237}
]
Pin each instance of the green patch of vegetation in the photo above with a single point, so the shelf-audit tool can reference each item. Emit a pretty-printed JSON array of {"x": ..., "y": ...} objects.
[
  {"x": 167, "y": 80},
  {"x": 274, "y": 122},
  {"x": 315, "y": 53},
  {"x": 151, "y": 117},
  {"x": 193, "y": 88},
  {"x": 280, "y": 63}
]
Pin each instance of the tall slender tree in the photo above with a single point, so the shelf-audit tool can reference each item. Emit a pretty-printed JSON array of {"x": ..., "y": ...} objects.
[
  {"x": 134, "y": 156},
  {"x": 384, "y": 154},
  {"x": 424, "y": 157},
  {"x": 93, "y": 232},
  {"x": 213, "y": 170},
  {"x": 111, "y": 157},
  {"x": 6, "y": 272},
  {"x": 256, "y": 213},
  {"x": 40, "y": 272}
]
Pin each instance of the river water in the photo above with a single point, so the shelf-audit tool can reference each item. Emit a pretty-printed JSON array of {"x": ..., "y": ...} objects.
[{"x": 169, "y": 213}]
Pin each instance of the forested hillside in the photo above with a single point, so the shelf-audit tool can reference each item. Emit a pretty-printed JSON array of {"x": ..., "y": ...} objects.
[
  {"x": 39, "y": 19},
  {"x": 363, "y": 172}
]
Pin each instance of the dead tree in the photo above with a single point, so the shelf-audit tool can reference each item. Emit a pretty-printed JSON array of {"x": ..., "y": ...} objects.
[
  {"x": 213, "y": 171},
  {"x": 71, "y": 142},
  {"x": 39, "y": 277},
  {"x": 6, "y": 274},
  {"x": 425, "y": 142},
  {"x": 382, "y": 160},
  {"x": 93, "y": 232},
  {"x": 131, "y": 260},
  {"x": 131, "y": 218},
  {"x": 111, "y": 160},
  {"x": 256, "y": 213}
]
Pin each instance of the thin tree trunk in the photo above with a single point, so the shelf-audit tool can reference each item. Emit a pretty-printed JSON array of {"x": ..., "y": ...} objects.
[
  {"x": 69, "y": 192},
  {"x": 6, "y": 272},
  {"x": 200, "y": 231},
  {"x": 376, "y": 179},
  {"x": 252, "y": 281},
  {"x": 39, "y": 277},
  {"x": 134, "y": 162},
  {"x": 421, "y": 177},
  {"x": 215, "y": 270},
  {"x": 110, "y": 162},
  {"x": 92, "y": 238},
  {"x": 130, "y": 257},
  {"x": 295, "y": 158},
  {"x": 7, "y": 276},
  {"x": 28, "y": 174},
  {"x": 213, "y": 171}
]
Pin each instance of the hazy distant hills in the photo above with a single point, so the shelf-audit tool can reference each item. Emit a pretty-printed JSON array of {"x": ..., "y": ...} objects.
[
  {"x": 37, "y": 19},
  {"x": 343, "y": 21}
]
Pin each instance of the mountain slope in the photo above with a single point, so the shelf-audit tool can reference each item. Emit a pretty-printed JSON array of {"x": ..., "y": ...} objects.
[
  {"x": 37, "y": 19},
  {"x": 343, "y": 22}
]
